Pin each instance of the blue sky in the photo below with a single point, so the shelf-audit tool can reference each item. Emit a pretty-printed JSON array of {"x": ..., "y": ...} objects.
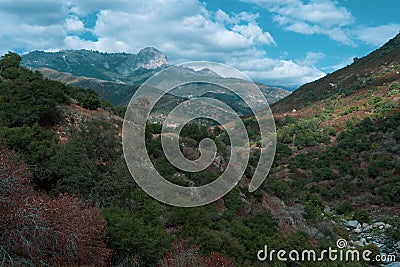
[{"x": 278, "y": 42}]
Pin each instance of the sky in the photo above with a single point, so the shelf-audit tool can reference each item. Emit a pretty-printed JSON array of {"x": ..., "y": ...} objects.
[{"x": 278, "y": 42}]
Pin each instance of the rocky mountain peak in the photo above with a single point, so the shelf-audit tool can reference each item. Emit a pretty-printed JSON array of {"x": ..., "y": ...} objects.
[{"x": 151, "y": 58}]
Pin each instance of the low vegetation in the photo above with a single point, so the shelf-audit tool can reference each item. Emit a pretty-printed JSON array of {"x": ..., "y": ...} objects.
[{"x": 334, "y": 159}]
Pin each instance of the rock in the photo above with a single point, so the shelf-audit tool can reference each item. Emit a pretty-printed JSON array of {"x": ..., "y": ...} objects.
[
  {"x": 352, "y": 224},
  {"x": 358, "y": 243},
  {"x": 363, "y": 240},
  {"x": 381, "y": 227},
  {"x": 366, "y": 229},
  {"x": 377, "y": 224},
  {"x": 394, "y": 264},
  {"x": 357, "y": 230},
  {"x": 365, "y": 225}
]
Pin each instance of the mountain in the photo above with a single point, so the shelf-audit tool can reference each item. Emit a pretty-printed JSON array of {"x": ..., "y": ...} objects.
[
  {"x": 74, "y": 153},
  {"x": 116, "y": 67},
  {"x": 115, "y": 93},
  {"x": 338, "y": 152},
  {"x": 378, "y": 68},
  {"x": 335, "y": 175},
  {"x": 116, "y": 77}
]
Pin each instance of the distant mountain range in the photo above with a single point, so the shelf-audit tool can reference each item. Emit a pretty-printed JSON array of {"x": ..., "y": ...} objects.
[{"x": 116, "y": 76}]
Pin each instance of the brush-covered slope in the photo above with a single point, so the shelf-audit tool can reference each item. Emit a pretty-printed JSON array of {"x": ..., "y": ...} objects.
[
  {"x": 376, "y": 69},
  {"x": 338, "y": 150}
]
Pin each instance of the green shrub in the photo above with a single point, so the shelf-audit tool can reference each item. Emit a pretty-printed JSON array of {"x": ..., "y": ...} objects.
[
  {"x": 394, "y": 89},
  {"x": 130, "y": 237},
  {"x": 362, "y": 216},
  {"x": 344, "y": 208}
]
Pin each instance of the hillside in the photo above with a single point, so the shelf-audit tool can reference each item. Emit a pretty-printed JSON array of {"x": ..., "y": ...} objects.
[
  {"x": 71, "y": 147},
  {"x": 337, "y": 160},
  {"x": 379, "y": 68},
  {"x": 338, "y": 149},
  {"x": 120, "y": 94}
]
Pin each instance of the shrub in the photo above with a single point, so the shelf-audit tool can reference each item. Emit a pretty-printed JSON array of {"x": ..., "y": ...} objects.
[
  {"x": 394, "y": 89},
  {"x": 41, "y": 230},
  {"x": 130, "y": 237},
  {"x": 344, "y": 208},
  {"x": 362, "y": 216}
]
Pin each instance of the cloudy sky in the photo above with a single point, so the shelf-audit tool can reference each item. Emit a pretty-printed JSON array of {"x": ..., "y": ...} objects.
[{"x": 279, "y": 42}]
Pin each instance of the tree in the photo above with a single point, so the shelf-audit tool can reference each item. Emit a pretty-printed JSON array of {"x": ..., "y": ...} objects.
[
  {"x": 25, "y": 97},
  {"x": 9, "y": 65},
  {"x": 41, "y": 230},
  {"x": 90, "y": 100}
]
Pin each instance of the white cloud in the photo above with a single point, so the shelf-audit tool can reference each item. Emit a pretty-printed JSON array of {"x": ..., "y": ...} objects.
[
  {"x": 377, "y": 36},
  {"x": 26, "y": 37},
  {"x": 74, "y": 24},
  {"x": 311, "y": 59},
  {"x": 325, "y": 13},
  {"x": 254, "y": 33},
  {"x": 316, "y": 17},
  {"x": 83, "y": 8},
  {"x": 183, "y": 29},
  {"x": 277, "y": 71}
]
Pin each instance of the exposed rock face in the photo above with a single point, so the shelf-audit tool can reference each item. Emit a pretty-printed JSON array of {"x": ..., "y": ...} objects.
[
  {"x": 147, "y": 58},
  {"x": 151, "y": 58}
]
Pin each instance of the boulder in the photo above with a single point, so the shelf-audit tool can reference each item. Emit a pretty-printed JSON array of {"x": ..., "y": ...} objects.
[
  {"x": 377, "y": 224},
  {"x": 352, "y": 224},
  {"x": 359, "y": 243}
]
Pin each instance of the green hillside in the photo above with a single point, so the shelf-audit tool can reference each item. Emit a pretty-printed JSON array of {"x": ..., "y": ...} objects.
[{"x": 337, "y": 161}]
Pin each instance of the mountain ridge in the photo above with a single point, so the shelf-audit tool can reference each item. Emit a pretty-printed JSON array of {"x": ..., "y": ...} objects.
[
  {"x": 378, "y": 67},
  {"x": 115, "y": 67},
  {"x": 114, "y": 83}
]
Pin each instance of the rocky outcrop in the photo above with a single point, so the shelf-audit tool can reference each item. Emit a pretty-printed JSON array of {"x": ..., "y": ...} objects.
[{"x": 364, "y": 234}]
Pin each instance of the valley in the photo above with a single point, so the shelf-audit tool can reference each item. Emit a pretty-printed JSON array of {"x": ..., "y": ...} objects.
[{"x": 335, "y": 175}]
